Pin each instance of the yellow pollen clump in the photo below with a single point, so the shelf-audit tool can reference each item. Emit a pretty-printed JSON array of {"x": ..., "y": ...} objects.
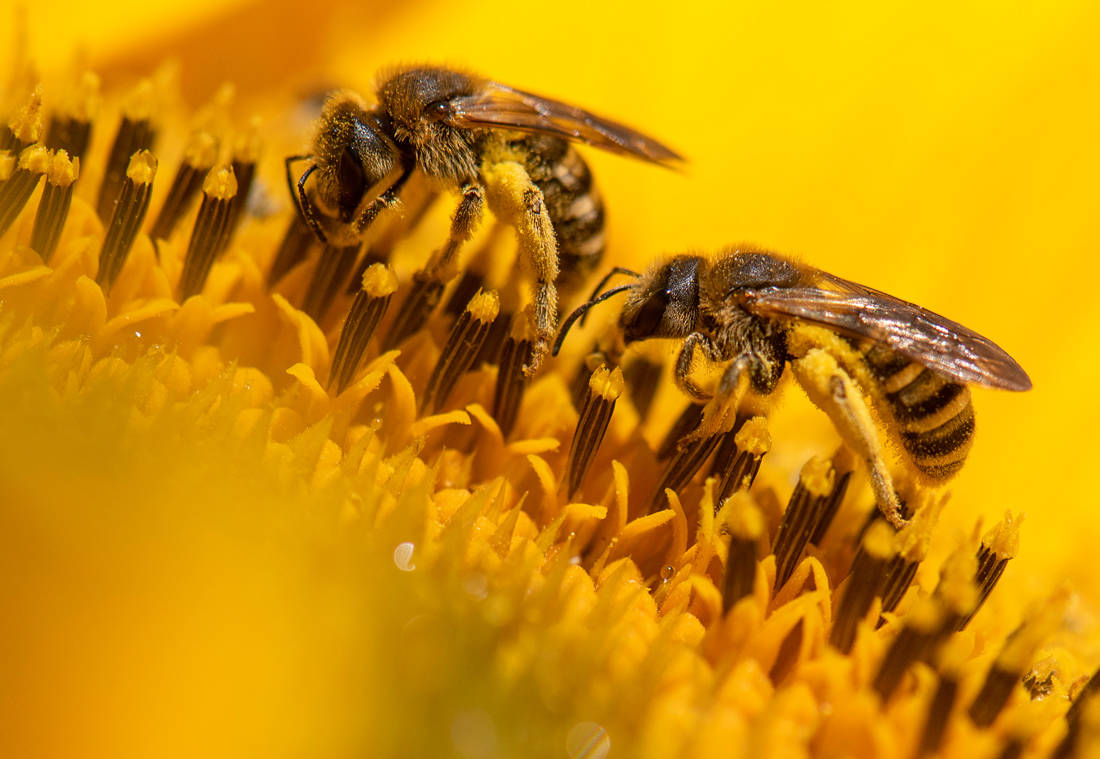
[
  {"x": 818, "y": 476},
  {"x": 220, "y": 184},
  {"x": 142, "y": 167},
  {"x": 62, "y": 171},
  {"x": 379, "y": 281},
  {"x": 607, "y": 383},
  {"x": 35, "y": 159}
]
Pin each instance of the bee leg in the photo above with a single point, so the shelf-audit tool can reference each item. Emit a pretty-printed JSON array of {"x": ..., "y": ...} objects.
[
  {"x": 833, "y": 391},
  {"x": 514, "y": 196},
  {"x": 428, "y": 283},
  {"x": 388, "y": 199},
  {"x": 721, "y": 411},
  {"x": 463, "y": 224},
  {"x": 684, "y": 363}
]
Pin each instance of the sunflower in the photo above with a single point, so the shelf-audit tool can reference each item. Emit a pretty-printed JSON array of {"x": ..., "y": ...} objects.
[{"x": 234, "y": 521}]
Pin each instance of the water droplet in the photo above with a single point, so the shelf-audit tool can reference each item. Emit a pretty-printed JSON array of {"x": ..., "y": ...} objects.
[
  {"x": 667, "y": 572},
  {"x": 403, "y": 557},
  {"x": 476, "y": 586},
  {"x": 137, "y": 333},
  {"x": 587, "y": 740},
  {"x": 474, "y": 734}
]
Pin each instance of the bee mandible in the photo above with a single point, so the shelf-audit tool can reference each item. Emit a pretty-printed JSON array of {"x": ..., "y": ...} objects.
[
  {"x": 755, "y": 312},
  {"x": 489, "y": 141}
]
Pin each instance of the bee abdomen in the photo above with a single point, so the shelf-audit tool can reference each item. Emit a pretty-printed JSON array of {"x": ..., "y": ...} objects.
[
  {"x": 934, "y": 415},
  {"x": 575, "y": 209}
]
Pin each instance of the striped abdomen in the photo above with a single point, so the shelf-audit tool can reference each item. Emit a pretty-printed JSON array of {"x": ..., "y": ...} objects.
[
  {"x": 573, "y": 204},
  {"x": 934, "y": 416}
]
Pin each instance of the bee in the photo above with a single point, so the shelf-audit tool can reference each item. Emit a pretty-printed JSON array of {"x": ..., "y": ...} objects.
[
  {"x": 755, "y": 312},
  {"x": 492, "y": 143}
]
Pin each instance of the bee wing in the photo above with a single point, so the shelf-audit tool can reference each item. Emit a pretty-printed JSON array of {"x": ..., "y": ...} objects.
[
  {"x": 942, "y": 345},
  {"x": 497, "y": 106}
]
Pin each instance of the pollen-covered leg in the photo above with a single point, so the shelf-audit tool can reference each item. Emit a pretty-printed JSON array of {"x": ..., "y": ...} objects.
[
  {"x": 834, "y": 392},
  {"x": 515, "y": 199}
]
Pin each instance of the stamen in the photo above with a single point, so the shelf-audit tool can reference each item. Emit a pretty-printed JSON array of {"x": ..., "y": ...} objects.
[
  {"x": 246, "y": 154},
  {"x": 210, "y": 230},
  {"x": 328, "y": 278},
  {"x": 135, "y": 133},
  {"x": 912, "y": 543},
  {"x": 468, "y": 284},
  {"x": 643, "y": 377},
  {"x": 922, "y": 626},
  {"x": 1015, "y": 659},
  {"x": 746, "y": 525},
  {"x": 415, "y": 310},
  {"x": 25, "y": 127},
  {"x": 842, "y": 465},
  {"x": 681, "y": 467},
  {"x": 198, "y": 158},
  {"x": 129, "y": 213},
  {"x": 1081, "y": 719},
  {"x": 511, "y": 379},
  {"x": 604, "y": 389},
  {"x": 737, "y": 460},
  {"x": 367, "y": 310},
  {"x": 815, "y": 489},
  {"x": 23, "y": 175},
  {"x": 53, "y": 207},
  {"x": 462, "y": 346},
  {"x": 688, "y": 420},
  {"x": 863, "y": 584},
  {"x": 939, "y": 712},
  {"x": 578, "y": 387},
  {"x": 998, "y": 546},
  {"x": 70, "y": 126},
  {"x": 297, "y": 241}
]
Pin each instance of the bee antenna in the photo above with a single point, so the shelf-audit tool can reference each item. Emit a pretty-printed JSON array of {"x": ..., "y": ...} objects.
[
  {"x": 305, "y": 207},
  {"x": 581, "y": 310},
  {"x": 599, "y": 286}
]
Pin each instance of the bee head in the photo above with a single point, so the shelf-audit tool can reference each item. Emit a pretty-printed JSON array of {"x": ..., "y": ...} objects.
[
  {"x": 352, "y": 156},
  {"x": 664, "y": 302}
]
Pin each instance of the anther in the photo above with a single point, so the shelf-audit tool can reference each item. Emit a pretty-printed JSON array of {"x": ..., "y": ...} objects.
[
  {"x": 863, "y": 584},
  {"x": 912, "y": 543},
  {"x": 578, "y": 386},
  {"x": 211, "y": 228},
  {"x": 643, "y": 377},
  {"x": 1081, "y": 719},
  {"x": 129, "y": 213},
  {"x": 25, "y": 127},
  {"x": 415, "y": 310},
  {"x": 949, "y": 666},
  {"x": 688, "y": 420},
  {"x": 333, "y": 266},
  {"x": 22, "y": 176},
  {"x": 999, "y": 545},
  {"x": 246, "y": 154},
  {"x": 511, "y": 380},
  {"x": 198, "y": 157},
  {"x": 70, "y": 127},
  {"x": 737, "y": 459},
  {"x": 135, "y": 133},
  {"x": 1014, "y": 660},
  {"x": 745, "y": 524},
  {"x": 815, "y": 489},
  {"x": 604, "y": 389},
  {"x": 685, "y": 461},
  {"x": 53, "y": 207},
  {"x": 916, "y": 637},
  {"x": 367, "y": 310},
  {"x": 462, "y": 346},
  {"x": 295, "y": 246}
]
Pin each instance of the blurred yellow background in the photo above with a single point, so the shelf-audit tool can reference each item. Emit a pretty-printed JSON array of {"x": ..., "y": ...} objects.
[{"x": 947, "y": 153}]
